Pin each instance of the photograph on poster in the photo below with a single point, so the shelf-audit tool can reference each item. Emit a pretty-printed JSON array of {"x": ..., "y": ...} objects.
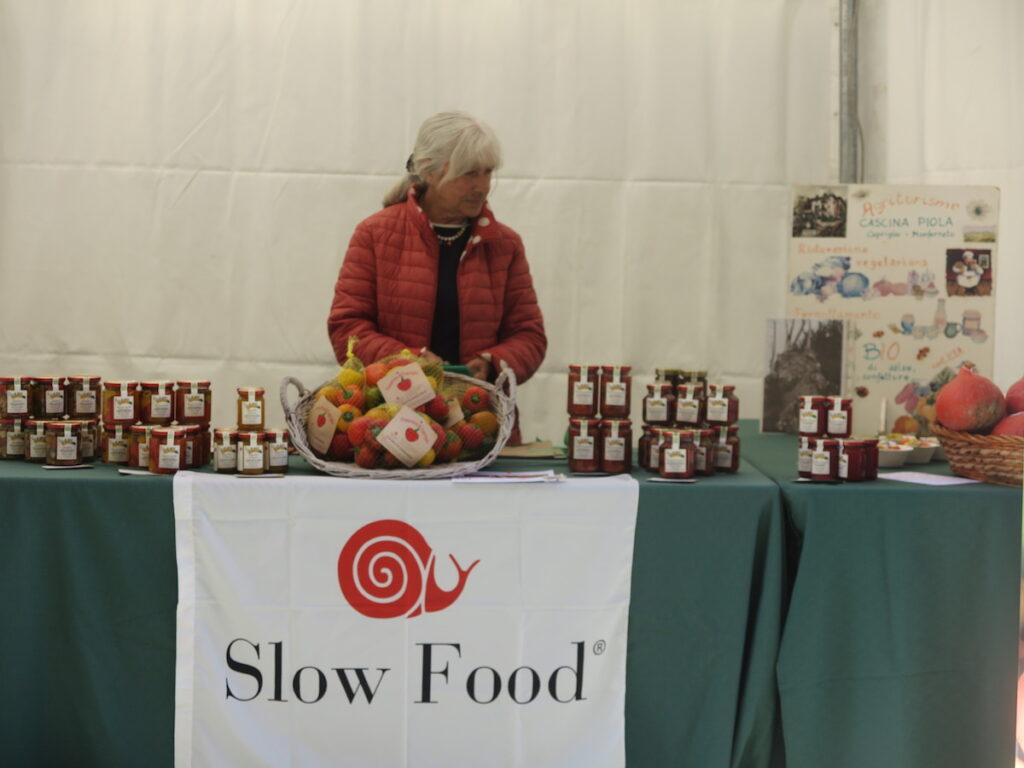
[
  {"x": 804, "y": 357},
  {"x": 819, "y": 212}
]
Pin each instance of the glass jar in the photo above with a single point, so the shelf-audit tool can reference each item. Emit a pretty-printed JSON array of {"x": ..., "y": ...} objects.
[
  {"x": 192, "y": 402},
  {"x": 654, "y": 448},
  {"x": 63, "y": 444},
  {"x": 616, "y": 446},
  {"x": 643, "y": 447},
  {"x": 17, "y": 397},
  {"x": 677, "y": 456},
  {"x": 659, "y": 404},
  {"x": 252, "y": 454},
  {"x": 583, "y": 389},
  {"x": 690, "y": 405},
  {"x": 723, "y": 407},
  {"x": 83, "y": 397},
  {"x": 705, "y": 451},
  {"x": 138, "y": 445},
  {"x": 870, "y": 458},
  {"x": 727, "y": 451},
  {"x": 853, "y": 460},
  {"x": 91, "y": 439},
  {"x": 35, "y": 441},
  {"x": 804, "y": 456},
  {"x": 116, "y": 440},
  {"x": 840, "y": 413},
  {"x": 166, "y": 450},
  {"x": 811, "y": 415},
  {"x": 616, "y": 391},
  {"x": 52, "y": 403},
  {"x": 251, "y": 410},
  {"x": 584, "y": 449},
  {"x": 225, "y": 450},
  {"x": 156, "y": 402},
  {"x": 12, "y": 439},
  {"x": 277, "y": 442},
  {"x": 120, "y": 402},
  {"x": 825, "y": 460},
  {"x": 671, "y": 376}
]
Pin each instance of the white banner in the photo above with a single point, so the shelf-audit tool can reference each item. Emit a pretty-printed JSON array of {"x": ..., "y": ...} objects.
[{"x": 324, "y": 621}]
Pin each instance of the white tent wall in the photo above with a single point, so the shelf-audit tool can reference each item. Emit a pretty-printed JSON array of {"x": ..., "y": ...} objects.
[{"x": 178, "y": 180}]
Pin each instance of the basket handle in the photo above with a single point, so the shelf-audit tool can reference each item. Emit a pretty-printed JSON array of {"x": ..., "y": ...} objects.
[
  {"x": 506, "y": 380},
  {"x": 285, "y": 403}
]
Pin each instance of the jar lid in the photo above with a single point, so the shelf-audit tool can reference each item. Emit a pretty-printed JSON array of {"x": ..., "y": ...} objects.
[
  {"x": 819, "y": 443},
  {"x": 696, "y": 386},
  {"x": 190, "y": 429},
  {"x": 589, "y": 422},
  {"x": 815, "y": 399},
  {"x": 46, "y": 379},
  {"x": 165, "y": 431},
  {"x": 73, "y": 425},
  {"x": 83, "y": 379},
  {"x": 853, "y": 443},
  {"x": 200, "y": 384},
  {"x": 8, "y": 422},
  {"x": 578, "y": 368},
  {"x": 619, "y": 422},
  {"x": 623, "y": 369},
  {"x": 44, "y": 422},
  {"x": 242, "y": 391},
  {"x": 157, "y": 384},
  {"x": 23, "y": 379},
  {"x": 120, "y": 384},
  {"x": 112, "y": 428},
  {"x": 276, "y": 434},
  {"x": 139, "y": 429}
]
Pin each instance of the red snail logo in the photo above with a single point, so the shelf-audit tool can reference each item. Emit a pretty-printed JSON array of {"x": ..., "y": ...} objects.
[{"x": 386, "y": 570}]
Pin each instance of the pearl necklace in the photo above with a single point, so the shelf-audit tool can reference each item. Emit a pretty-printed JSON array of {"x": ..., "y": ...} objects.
[{"x": 449, "y": 239}]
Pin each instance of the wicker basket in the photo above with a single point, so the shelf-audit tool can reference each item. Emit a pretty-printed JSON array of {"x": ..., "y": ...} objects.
[
  {"x": 503, "y": 403},
  {"x": 990, "y": 458}
]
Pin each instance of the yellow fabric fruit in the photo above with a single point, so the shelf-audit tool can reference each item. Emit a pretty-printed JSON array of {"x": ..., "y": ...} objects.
[
  {"x": 428, "y": 459},
  {"x": 349, "y": 376}
]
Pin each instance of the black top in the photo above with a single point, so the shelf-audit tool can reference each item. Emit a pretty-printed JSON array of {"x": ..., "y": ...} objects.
[{"x": 444, "y": 336}]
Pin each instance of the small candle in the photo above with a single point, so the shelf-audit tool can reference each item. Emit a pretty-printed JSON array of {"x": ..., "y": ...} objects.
[{"x": 881, "y": 424}]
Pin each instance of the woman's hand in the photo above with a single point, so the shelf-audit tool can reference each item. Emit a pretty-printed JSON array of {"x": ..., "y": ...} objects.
[
  {"x": 430, "y": 357},
  {"x": 479, "y": 368}
]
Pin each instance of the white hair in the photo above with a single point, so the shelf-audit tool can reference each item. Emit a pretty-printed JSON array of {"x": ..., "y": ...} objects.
[{"x": 451, "y": 142}]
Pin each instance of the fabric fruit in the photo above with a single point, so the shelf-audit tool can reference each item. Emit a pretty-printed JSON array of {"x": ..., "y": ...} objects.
[
  {"x": 475, "y": 399},
  {"x": 347, "y": 413},
  {"x": 486, "y": 420}
]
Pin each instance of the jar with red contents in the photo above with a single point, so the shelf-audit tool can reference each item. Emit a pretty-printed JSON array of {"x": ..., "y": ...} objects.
[
  {"x": 659, "y": 404},
  {"x": 92, "y": 439},
  {"x": 12, "y": 439},
  {"x": 870, "y": 458},
  {"x": 35, "y": 441},
  {"x": 840, "y": 416},
  {"x": 804, "y": 455},
  {"x": 853, "y": 461},
  {"x": 723, "y": 407},
  {"x": 705, "y": 451},
  {"x": 584, "y": 448},
  {"x": 811, "y": 411},
  {"x": 643, "y": 447},
  {"x": 116, "y": 444},
  {"x": 192, "y": 402},
  {"x": 825, "y": 460},
  {"x": 166, "y": 450},
  {"x": 83, "y": 397},
  {"x": 63, "y": 443},
  {"x": 156, "y": 402},
  {"x": 690, "y": 404},
  {"x": 583, "y": 391},
  {"x": 277, "y": 441},
  {"x": 120, "y": 402},
  {"x": 52, "y": 403},
  {"x": 17, "y": 397},
  {"x": 616, "y": 446},
  {"x": 616, "y": 391},
  {"x": 654, "y": 448},
  {"x": 728, "y": 449},
  {"x": 677, "y": 459},
  {"x": 194, "y": 450},
  {"x": 138, "y": 445}
]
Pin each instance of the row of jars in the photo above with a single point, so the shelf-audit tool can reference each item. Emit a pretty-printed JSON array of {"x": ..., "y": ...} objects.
[
  {"x": 691, "y": 405},
  {"x": 156, "y": 448},
  {"x": 607, "y": 446},
  {"x": 599, "y": 391},
  {"x": 828, "y": 460},
  {"x": 821, "y": 416}
]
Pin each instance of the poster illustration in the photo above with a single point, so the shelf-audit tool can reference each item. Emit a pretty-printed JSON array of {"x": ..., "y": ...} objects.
[{"x": 912, "y": 271}]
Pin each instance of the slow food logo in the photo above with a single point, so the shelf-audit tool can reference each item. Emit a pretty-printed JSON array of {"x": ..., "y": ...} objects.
[{"x": 386, "y": 570}]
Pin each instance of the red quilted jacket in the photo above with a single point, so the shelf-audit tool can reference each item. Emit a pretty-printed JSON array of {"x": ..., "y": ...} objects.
[{"x": 387, "y": 288}]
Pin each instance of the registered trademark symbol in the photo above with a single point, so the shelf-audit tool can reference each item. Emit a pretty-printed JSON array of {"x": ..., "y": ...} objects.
[{"x": 599, "y": 647}]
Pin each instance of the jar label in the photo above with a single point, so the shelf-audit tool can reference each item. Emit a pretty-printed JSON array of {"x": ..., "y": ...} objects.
[
  {"x": 169, "y": 456},
  {"x": 702, "y": 458},
  {"x": 675, "y": 461},
  {"x": 407, "y": 436},
  {"x": 718, "y": 409},
  {"x": 54, "y": 402},
  {"x": 67, "y": 448},
  {"x": 15, "y": 443},
  {"x": 88, "y": 444},
  {"x": 655, "y": 452},
  {"x": 144, "y": 454},
  {"x": 724, "y": 458},
  {"x": 406, "y": 385},
  {"x": 583, "y": 447},
  {"x": 124, "y": 408},
  {"x": 803, "y": 463},
  {"x": 687, "y": 411},
  {"x": 189, "y": 452},
  {"x": 837, "y": 422},
  {"x": 615, "y": 393},
  {"x": 656, "y": 409},
  {"x": 844, "y": 466},
  {"x": 85, "y": 401},
  {"x": 821, "y": 463},
  {"x": 195, "y": 405},
  {"x": 251, "y": 456},
  {"x": 279, "y": 454},
  {"x": 160, "y": 406},
  {"x": 117, "y": 450},
  {"x": 36, "y": 446},
  {"x": 809, "y": 420},
  {"x": 615, "y": 449},
  {"x": 252, "y": 412},
  {"x": 225, "y": 456},
  {"x": 582, "y": 393},
  {"x": 17, "y": 401}
]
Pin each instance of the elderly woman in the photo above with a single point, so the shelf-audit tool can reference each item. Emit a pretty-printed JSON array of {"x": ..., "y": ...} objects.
[{"x": 434, "y": 271}]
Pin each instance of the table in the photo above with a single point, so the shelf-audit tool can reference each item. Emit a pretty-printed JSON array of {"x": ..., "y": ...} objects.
[
  {"x": 88, "y": 583},
  {"x": 900, "y": 641}
]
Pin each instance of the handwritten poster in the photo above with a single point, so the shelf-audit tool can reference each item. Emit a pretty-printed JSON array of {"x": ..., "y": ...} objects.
[{"x": 912, "y": 271}]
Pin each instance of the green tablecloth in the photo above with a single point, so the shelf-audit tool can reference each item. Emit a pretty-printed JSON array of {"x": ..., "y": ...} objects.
[
  {"x": 900, "y": 643},
  {"x": 88, "y": 584}
]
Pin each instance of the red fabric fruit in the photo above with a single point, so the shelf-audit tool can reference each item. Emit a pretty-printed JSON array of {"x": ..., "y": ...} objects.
[
  {"x": 475, "y": 399},
  {"x": 358, "y": 429},
  {"x": 1011, "y": 425},
  {"x": 1015, "y": 397},
  {"x": 367, "y": 457},
  {"x": 472, "y": 436},
  {"x": 341, "y": 447},
  {"x": 970, "y": 402},
  {"x": 451, "y": 447}
]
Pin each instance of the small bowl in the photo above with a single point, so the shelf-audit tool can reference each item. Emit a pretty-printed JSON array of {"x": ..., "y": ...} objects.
[
  {"x": 921, "y": 454},
  {"x": 939, "y": 454},
  {"x": 893, "y": 456}
]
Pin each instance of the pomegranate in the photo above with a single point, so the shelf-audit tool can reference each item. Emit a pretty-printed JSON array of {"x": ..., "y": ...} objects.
[
  {"x": 1015, "y": 397},
  {"x": 970, "y": 402},
  {"x": 1011, "y": 425}
]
